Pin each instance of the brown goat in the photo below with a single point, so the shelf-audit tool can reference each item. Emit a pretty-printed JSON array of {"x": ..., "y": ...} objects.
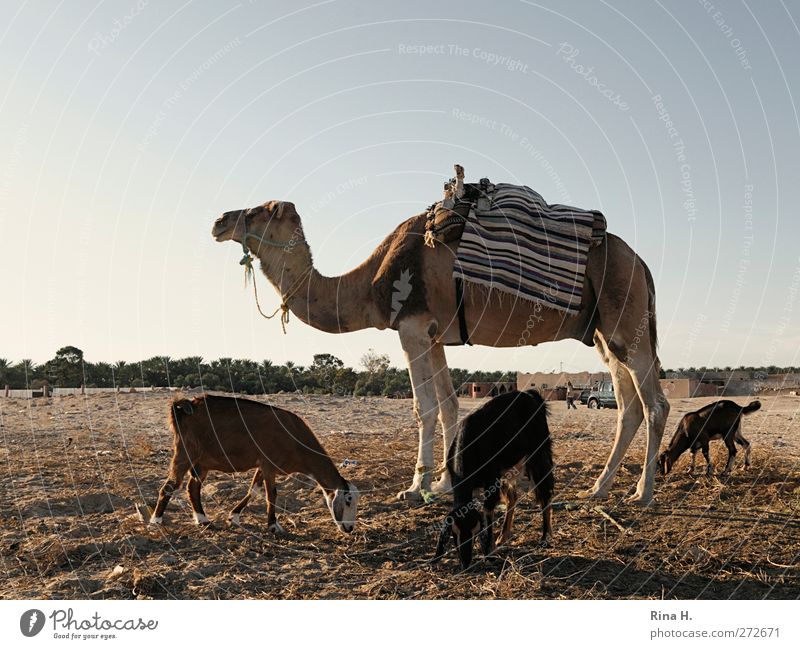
[
  {"x": 215, "y": 433},
  {"x": 718, "y": 420}
]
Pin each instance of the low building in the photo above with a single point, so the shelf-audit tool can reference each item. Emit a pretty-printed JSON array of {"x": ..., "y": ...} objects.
[
  {"x": 479, "y": 390},
  {"x": 548, "y": 381},
  {"x": 685, "y": 388}
]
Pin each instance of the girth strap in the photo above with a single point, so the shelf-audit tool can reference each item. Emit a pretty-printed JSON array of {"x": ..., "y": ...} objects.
[{"x": 462, "y": 318}]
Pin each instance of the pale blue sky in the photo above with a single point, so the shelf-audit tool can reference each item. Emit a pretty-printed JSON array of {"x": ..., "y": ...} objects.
[{"x": 127, "y": 127}]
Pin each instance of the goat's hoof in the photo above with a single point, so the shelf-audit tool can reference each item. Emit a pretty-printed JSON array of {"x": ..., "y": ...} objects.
[
  {"x": 545, "y": 542},
  {"x": 591, "y": 494},
  {"x": 234, "y": 520},
  {"x": 156, "y": 522},
  {"x": 201, "y": 520},
  {"x": 275, "y": 528}
]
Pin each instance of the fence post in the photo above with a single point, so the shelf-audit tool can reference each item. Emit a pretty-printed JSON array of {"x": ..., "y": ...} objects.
[
  {"x": 83, "y": 388},
  {"x": 8, "y": 391},
  {"x": 46, "y": 390}
]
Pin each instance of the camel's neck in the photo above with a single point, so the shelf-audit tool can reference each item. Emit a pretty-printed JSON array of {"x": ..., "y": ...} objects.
[{"x": 332, "y": 304}]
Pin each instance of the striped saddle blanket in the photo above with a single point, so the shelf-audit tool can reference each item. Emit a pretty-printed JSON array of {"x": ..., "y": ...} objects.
[{"x": 516, "y": 243}]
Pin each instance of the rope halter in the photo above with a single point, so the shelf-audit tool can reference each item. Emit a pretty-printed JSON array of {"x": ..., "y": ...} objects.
[{"x": 247, "y": 262}]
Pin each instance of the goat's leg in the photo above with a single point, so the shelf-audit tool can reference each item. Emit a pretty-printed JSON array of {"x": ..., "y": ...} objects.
[
  {"x": 448, "y": 411},
  {"x": 694, "y": 457},
  {"x": 745, "y": 444},
  {"x": 493, "y": 496},
  {"x": 629, "y": 416},
  {"x": 255, "y": 484},
  {"x": 731, "y": 454},
  {"x": 193, "y": 490},
  {"x": 272, "y": 498},
  {"x": 177, "y": 470},
  {"x": 709, "y": 466},
  {"x": 509, "y": 496},
  {"x": 416, "y": 338}
]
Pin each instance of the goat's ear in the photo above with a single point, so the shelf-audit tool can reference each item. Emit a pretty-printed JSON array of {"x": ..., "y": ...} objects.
[{"x": 444, "y": 537}]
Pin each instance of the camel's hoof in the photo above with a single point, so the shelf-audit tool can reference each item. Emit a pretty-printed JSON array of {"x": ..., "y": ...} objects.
[
  {"x": 639, "y": 500},
  {"x": 441, "y": 487},
  {"x": 410, "y": 495},
  {"x": 591, "y": 494},
  {"x": 275, "y": 528}
]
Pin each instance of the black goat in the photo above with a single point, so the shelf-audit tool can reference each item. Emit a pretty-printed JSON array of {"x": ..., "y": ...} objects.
[
  {"x": 721, "y": 419},
  {"x": 488, "y": 453}
]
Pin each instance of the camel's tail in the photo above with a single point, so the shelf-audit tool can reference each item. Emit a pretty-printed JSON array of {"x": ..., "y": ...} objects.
[{"x": 751, "y": 407}]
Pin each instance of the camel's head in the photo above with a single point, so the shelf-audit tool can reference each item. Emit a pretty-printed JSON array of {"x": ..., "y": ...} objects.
[{"x": 274, "y": 224}]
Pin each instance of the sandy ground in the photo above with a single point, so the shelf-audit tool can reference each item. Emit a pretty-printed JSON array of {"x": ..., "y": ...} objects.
[{"x": 68, "y": 526}]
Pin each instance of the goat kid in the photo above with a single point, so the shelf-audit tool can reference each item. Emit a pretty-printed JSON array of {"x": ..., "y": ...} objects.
[
  {"x": 718, "y": 420},
  {"x": 215, "y": 433},
  {"x": 491, "y": 448}
]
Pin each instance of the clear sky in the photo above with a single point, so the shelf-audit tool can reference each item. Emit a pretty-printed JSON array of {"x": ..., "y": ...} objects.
[{"x": 127, "y": 127}]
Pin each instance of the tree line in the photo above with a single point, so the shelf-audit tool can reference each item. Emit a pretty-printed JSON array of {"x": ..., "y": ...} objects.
[{"x": 327, "y": 374}]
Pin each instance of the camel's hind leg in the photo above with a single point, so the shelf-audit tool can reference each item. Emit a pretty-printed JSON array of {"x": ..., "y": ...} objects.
[
  {"x": 448, "y": 411},
  {"x": 644, "y": 369},
  {"x": 416, "y": 337},
  {"x": 629, "y": 416},
  {"x": 636, "y": 356}
]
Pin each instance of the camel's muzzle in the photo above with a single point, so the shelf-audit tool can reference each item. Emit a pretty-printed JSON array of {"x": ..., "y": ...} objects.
[{"x": 224, "y": 224}]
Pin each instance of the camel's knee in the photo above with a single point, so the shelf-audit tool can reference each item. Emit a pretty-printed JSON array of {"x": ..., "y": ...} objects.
[{"x": 425, "y": 412}]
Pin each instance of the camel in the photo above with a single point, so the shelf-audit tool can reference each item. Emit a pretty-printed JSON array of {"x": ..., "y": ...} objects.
[{"x": 407, "y": 286}]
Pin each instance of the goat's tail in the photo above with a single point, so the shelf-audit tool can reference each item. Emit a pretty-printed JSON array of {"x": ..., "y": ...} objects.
[
  {"x": 539, "y": 468},
  {"x": 179, "y": 409},
  {"x": 751, "y": 407}
]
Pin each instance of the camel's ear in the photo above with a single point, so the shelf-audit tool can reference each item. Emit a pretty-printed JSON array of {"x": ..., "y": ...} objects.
[{"x": 281, "y": 209}]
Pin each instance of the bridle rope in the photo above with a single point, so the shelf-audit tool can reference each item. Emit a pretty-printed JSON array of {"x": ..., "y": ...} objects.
[{"x": 247, "y": 262}]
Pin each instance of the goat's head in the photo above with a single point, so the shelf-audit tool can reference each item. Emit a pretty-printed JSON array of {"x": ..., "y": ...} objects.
[
  {"x": 678, "y": 444},
  {"x": 463, "y": 525},
  {"x": 343, "y": 504}
]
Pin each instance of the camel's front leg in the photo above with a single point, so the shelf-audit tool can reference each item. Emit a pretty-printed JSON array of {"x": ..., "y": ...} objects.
[
  {"x": 416, "y": 338},
  {"x": 448, "y": 411},
  {"x": 629, "y": 417}
]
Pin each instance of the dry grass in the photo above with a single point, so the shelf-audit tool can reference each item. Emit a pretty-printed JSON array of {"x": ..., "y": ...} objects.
[{"x": 67, "y": 517}]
